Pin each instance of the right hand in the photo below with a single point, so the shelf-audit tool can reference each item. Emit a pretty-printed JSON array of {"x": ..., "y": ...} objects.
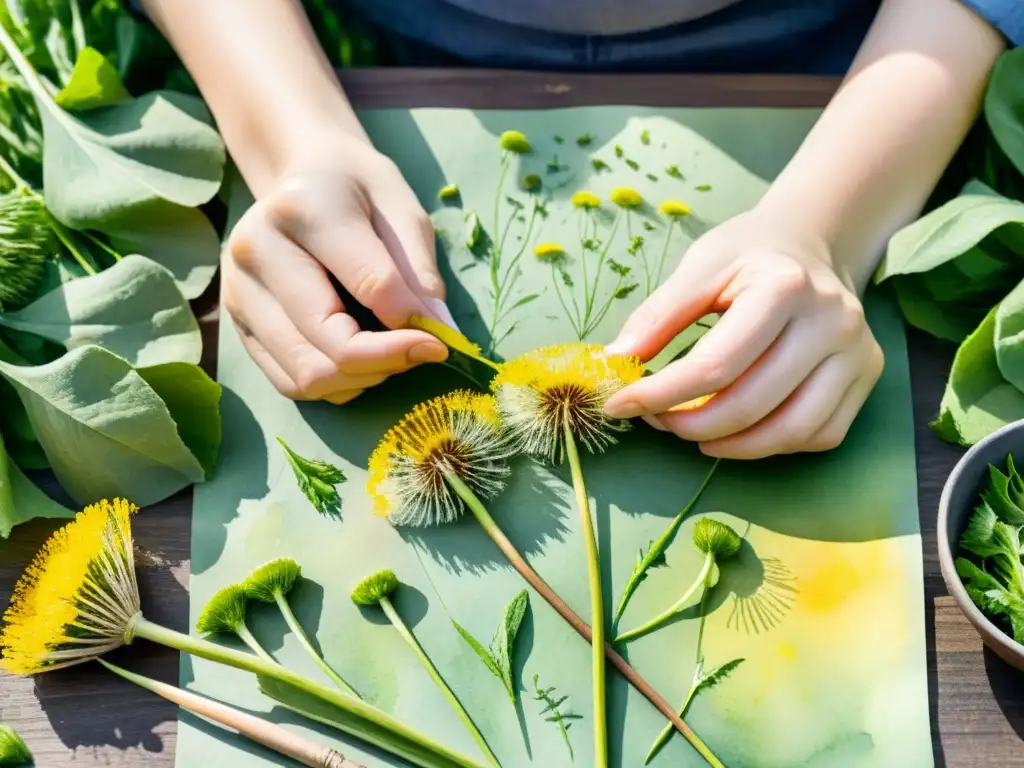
[{"x": 344, "y": 209}]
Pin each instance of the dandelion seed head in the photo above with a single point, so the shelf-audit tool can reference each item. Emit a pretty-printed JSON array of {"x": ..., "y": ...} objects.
[
  {"x": 516, "y": 142},
  {"x": 276, "y": 577},
  {"x": 715, "y": 538},
  {"x": 375, "y": 588},
  {"x": 458, "y": 433},
  {"x": 674, "y": 209},
  {"x": 586, "y": 200},
  {"x": 547, "y": 389},
  {"x": 78, "y": 597},
  {"x": 224, "y": 611}
]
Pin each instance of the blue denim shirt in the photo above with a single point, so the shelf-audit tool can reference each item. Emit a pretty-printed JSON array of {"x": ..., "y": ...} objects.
[{"x": 780, "y": 36}]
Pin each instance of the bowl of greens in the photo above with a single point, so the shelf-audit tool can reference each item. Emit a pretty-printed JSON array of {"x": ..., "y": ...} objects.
[{"x": 981, "y": 533}]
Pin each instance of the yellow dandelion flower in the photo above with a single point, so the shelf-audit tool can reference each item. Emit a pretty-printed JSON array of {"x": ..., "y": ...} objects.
[
  {"x": 77, "y": 597},
  {"x": 448, "y": 192},
  {"x": 674, "y": 209},
  {"x": 586, "y": 200},
  {"x": 547, "y": 390},
  {"x": 457, "y": 435},
  {"x": 515, "y": 142},
  {"x": 549, "y": 253},
  {"x": 449, "y": 337},
  {"x": 626, "y": 197}
]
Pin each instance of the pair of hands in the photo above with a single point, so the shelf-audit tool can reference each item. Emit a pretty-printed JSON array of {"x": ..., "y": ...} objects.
[{"x": 788, "y": 366}]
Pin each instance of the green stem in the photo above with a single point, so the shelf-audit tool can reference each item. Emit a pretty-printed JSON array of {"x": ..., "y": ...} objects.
[
  {"x": 303, "y": 638},
  {"x": 658, "y": 547},
  {"x": 20, "y": 185},
  {"x": 666, "y": 732},
  {"x": 583, "y": 256},
  {"x": 496, "y": 244},
  {"x": 64, "y": 235},
  {"x": 676, "y": 607},
  {"x": 565, "y": 307},
  {"x": 429, "y": 754},
  {"x": 403, "y": 630},
  {"x": 664, "y": 252},
  {"x": 77, "y": 28},
  {"x": 103, "y": 246},
  {"x": 242, "y": 630},
  {"x": 589, "y": 305},
  {"x": 596, "y": 599}
]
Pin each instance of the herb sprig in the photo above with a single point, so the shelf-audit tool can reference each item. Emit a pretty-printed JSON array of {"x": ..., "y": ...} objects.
[
  {"x": 554, "y": 713},
  {"x": 317, "y": 480}
]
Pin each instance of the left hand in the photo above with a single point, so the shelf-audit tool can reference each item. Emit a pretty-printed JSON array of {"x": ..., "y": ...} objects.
[{"x": 787, "y": 367}]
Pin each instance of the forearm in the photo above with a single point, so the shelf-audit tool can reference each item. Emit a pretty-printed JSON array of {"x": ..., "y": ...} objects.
[
  {"x": 879, "y": 148},
  {"x": 263, "y": 75}
]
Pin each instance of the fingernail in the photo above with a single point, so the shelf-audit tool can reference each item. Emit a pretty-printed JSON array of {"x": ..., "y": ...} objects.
[
  {"x": 621, "y": 346},
  {"x": 428, "y": 352},
  {"x": 627, "y": 409},
  {"x": 442, "y": 313},
  {"x": 655, "y": 423}
]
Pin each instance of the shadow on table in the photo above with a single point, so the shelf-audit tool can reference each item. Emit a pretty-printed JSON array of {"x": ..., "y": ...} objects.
[
  {"x": 1008, "y": 689},
  {"x": 931, "y": 660}
]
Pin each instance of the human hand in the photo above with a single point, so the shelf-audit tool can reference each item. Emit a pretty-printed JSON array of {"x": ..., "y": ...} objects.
[
  {"x": 340, "y": 208},
  {"x": 787, "y": 367}
]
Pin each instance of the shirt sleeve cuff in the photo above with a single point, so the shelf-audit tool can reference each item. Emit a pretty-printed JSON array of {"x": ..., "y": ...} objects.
[{"x": 1005, "y": 15}]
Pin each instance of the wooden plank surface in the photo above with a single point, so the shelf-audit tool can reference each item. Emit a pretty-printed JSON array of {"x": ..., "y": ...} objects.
[{"x": 85, "y": 717}]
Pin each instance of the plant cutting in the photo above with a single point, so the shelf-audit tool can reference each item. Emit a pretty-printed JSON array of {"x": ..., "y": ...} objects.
[
  {"x": 553, "y": 711},
  {"x": 498, "y": 657},
  {"x": 655, "y": 554},
  {"x": 446, "y": 456},
  {"x": 376, "y": 590},
  {"x": 318, "y": 481},
  {"x": 271, "y": 583},
  {"x": 719, "y": 543},
  {"x": 79, "y": 599},
  {"x": 224, "y": 613},
  {"x": 990, "y": 565},
  {"x": 12, "y": 749},
  {"x": 270, "y": 735},
  {"x": 550, "y": 399}
]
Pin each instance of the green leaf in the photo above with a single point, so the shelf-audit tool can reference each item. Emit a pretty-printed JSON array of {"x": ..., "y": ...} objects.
[
  {"x": 134, "y": 309},
  {"x": 984, "y": 589},
  {"x": 105, "y": 431},
  {"x": 655, "y": 555},
  {"x": 1009, "y": 336},
  {"x": 181, "y": 239},
  {"x": 95, "y": 82},
  {"x": 479, "y": 650},
  {"x": 997, "y": 496},
  {"x": 949, "y": 231},
  {"x": 498, "y": 658},
  {"x": 1004, "y": 105},
  {"x": 505, "y": 637},
  {"x": 717, "y": 675},
  {"x": 977, "y": 400},
  {"x": 12, "y": 749},
  {"x": 317, "y": 481},
  {"x": 193, "y": 400},
  {"x": 21, "y": 500},
  {"x": 944, "y": 321},
  {"x": 979, "y": 536}
]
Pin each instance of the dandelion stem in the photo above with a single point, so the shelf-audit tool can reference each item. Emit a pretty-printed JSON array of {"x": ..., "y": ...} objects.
[
  {"x": 589, "y": 303},
  {"x": 596, "y": 600},
  {"x": 303, "y": 638},
  {"x": 394, "y": 736},
  {"x": 103, "y": 246},
  {"x": 479, "y": 511},
  {"x": 252, "y": 643},
  {"x": 666, "y": 732},
  {"x": 270, "y": 735},
  {"x": 664, "y": 253},
  {"x": 676, "y": 607},
  {"x": 64, "y": 236},
  {"x": 403, "y": 630}
]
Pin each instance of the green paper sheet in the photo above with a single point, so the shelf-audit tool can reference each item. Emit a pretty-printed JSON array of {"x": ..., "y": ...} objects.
[{"x": 825, "y": 602}]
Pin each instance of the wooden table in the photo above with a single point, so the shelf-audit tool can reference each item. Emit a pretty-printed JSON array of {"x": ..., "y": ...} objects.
[{"x": 89, "y": 717}]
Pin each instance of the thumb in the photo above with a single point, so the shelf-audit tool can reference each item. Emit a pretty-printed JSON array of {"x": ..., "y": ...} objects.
[{"x": 683, "y": 299}]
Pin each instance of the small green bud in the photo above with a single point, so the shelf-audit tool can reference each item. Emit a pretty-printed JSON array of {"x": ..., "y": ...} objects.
[
  {"x": 717, "y": 539},
  {"x": 374, "y": 588}
]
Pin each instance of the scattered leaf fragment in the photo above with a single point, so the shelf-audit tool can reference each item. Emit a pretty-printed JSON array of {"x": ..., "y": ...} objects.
[
  {"x": 317, "y": 480},
  {"x": 585, "y": 140},
  {"x": 645, "y": 137},
  {"x": 674, "y": 172},
  {"x": 619, "y": 151},
  {"x": 448, "y": 193},
  {"x": 598, "y": 164},
  {"x": 703, "y": 187},
  {"x": 633, "y": 164},
  {"x": 472, "y": 230}
]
